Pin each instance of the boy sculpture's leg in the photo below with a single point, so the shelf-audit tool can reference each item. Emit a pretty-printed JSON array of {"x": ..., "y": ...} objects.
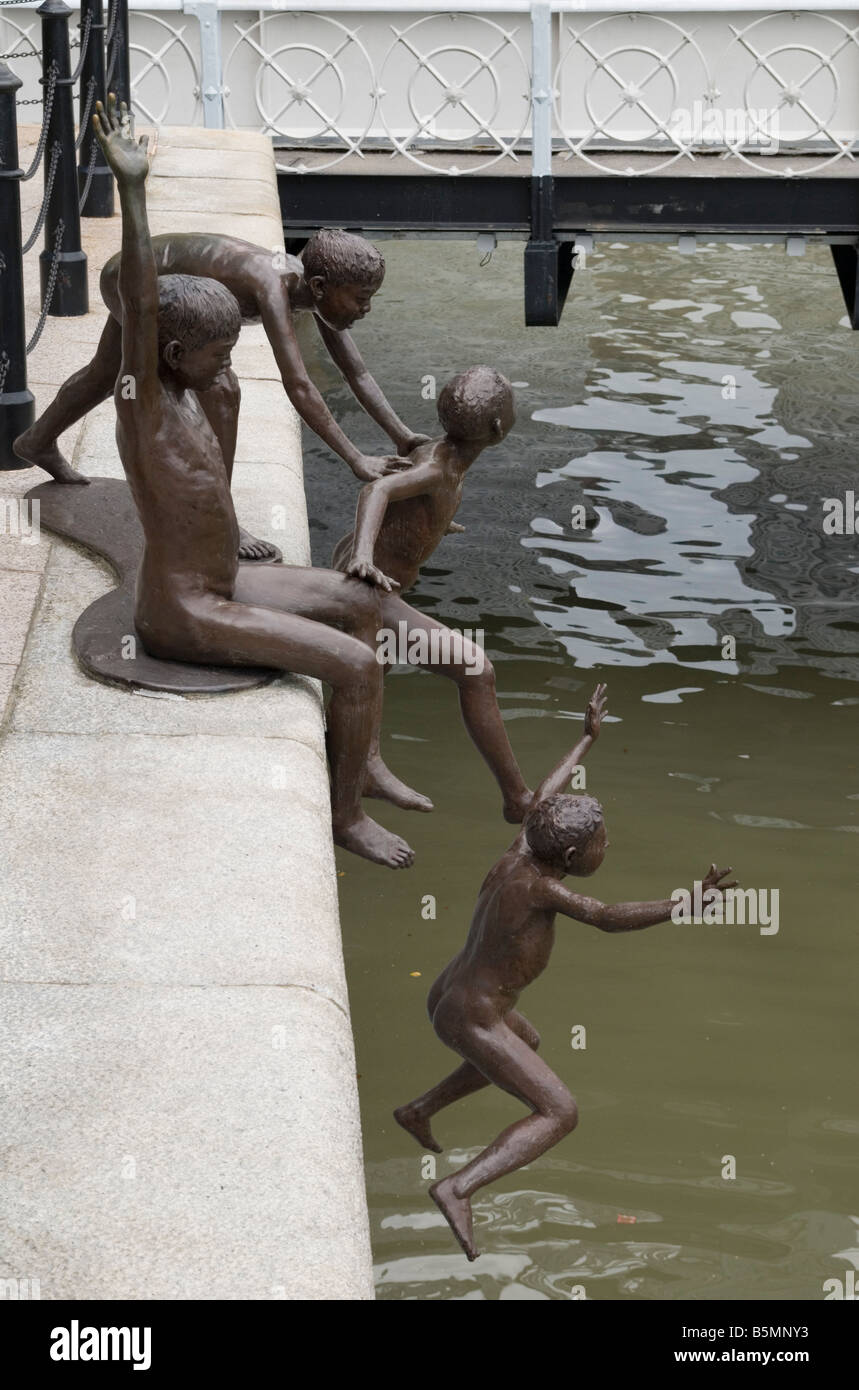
[
  {"x": 83, "y": 391},
  {"x": 505, "y": 1059},
  {"x": 221, "y": 407},
  {"x": 475, "y": 677},
  {"x": 417, "y": 1114},
  {"x": 277, "y": 617}
]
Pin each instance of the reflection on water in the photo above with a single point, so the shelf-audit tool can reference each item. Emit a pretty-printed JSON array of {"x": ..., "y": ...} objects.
[{"x": 698, "y": 410}]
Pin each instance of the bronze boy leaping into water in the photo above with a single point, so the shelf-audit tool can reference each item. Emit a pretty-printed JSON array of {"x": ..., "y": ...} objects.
[{"x": 472, "y": 1004}]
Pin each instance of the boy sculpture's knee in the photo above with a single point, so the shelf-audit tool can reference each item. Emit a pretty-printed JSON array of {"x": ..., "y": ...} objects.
[{"x": 567, "y": 1114}]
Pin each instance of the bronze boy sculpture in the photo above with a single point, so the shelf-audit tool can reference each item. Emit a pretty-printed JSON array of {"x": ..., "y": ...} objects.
[
  {"x": 334, "y": 281},
  {"x": 400, "y": 520},
  {"x": 472, "y": 1004},
  {"x": 194, "y": 600}
]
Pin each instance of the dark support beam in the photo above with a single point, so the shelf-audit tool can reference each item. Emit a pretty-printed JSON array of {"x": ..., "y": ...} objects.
[
  {"x": 607, "y": 205},
  {"x": 845, "y": 258},
  {"x": 548, "y": 263}
]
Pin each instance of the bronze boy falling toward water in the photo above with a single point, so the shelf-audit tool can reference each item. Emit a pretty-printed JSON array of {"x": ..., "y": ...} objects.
[
  {"x": 194, "y": 601},
  {"x": 472, "y": 1004},
  {"x": 400, "y": 520}
]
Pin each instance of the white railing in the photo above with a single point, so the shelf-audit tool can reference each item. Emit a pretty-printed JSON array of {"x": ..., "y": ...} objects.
[{"x": 476, "y": 86}]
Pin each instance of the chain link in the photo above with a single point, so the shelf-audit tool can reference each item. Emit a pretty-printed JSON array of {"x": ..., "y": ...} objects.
[
  {"x": 111, "y": 22},
  {"x": 43, "y": 133},
  {"x": 84, "y": 43},
  {"x": 56, "y": 153},
  {"x": 5, "y": 363},
  {"x": 89, "y": 175},
  {"x": 26, "y": 53},
  {"x": 90, "y": 94},
  {"x": 49, "y": 291}
]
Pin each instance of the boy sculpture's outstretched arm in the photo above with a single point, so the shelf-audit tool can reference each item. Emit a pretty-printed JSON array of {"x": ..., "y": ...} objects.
[
  {"x": 308, "y": 401},
  {"x": 560, "y": 775},
  {"x": 616, "y": 917},
  {"x": 138, "y": 274},
  {"x": 365, "y": 388}
]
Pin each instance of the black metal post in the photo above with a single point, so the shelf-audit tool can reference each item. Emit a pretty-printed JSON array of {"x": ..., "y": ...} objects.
[
  {"x": 118, "y": 63},
  {"x": 16, "y": 402},
  {"x": 94, "y": 177},
  {"x": 548, "y": 262},
  {"x": 71, "y": 294}
]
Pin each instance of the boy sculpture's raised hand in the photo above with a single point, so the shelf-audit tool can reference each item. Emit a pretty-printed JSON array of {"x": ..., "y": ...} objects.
[
  {"x": 400, "y": 520},
  {"x": 472, "y": 1004},
  {"x": 335, "y": 281},
  {"x": 194, "y": 600}
]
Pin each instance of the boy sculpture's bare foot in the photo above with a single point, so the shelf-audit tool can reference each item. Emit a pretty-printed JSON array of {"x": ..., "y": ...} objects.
[
  {"x": 194, "y": 601},
  {"x": 399, "y": 522},
  {"x": 334, "y": 281},
  {"x": 472, "y": 1003}
]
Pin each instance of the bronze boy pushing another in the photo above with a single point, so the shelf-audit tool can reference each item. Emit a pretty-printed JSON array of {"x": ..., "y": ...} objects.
[{"x": 334, "y": 281}]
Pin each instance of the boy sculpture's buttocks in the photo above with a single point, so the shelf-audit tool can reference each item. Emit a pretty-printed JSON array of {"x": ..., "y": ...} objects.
[{"x": 195, "y": 601}]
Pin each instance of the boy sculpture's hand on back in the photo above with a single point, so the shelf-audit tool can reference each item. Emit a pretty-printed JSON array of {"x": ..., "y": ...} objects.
[
  {"x": 400, "y": 520},
  {"x": 194, "y": 600},
  {"x": 472, "y": 1004}
]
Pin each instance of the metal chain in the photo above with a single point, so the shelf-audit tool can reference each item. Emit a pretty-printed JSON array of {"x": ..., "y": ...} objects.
[
  {"x": 49, "y": 183},
  {"x": 84, "y": 41},
  {"x": 43, "y": 133},
  {"x": 49, "y": 291},
  {"x": 26, "y": 53},
  {"x": 110, "y": 44},
  {"x": 111, "y": 22},
  {"x": 31, "y": 101},
  {"x": 90, "y": 94},
  {"x": 5, "y": 363},
  {"x": 89, "y": 175}
]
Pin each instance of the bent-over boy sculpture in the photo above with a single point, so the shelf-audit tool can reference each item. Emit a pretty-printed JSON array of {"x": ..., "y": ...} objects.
[
  {"x": 399, "y": 522},
  {"x": 194, "y": 601},
  {"x": 335, "y": 281},
  {"x": 472, "y": 1004}
]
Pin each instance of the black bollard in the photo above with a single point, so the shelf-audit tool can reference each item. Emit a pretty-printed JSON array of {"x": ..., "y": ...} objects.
[
  {"x": 94, "y": 177},
  {"x": 71, "y": 294},
  {"x": 16, "y": 402},
  {"x": 118, "y": 69}
]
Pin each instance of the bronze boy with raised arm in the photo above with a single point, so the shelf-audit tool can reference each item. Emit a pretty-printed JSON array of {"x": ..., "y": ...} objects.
[
  {"x": 472, "y": 1004},
  {"x": 400, "y": 520},
  {"x": 194, "y": 600}
]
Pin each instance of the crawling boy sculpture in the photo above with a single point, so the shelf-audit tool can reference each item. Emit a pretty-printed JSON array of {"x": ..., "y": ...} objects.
[
  {"x": 472, "y": 1004},
  {"x": 334, "y": 282}
]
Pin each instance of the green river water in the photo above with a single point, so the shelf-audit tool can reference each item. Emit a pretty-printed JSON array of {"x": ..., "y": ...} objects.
[{"x": 701, "y": 408}]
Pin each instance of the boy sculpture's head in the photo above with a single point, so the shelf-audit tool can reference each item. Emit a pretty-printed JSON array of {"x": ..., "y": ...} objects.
[
  {"x": 568, "y": 832},
  {"x": 476, "y": 407},
  {"x": 342, "y": 272},
  {"x": 199, "y": 321}
]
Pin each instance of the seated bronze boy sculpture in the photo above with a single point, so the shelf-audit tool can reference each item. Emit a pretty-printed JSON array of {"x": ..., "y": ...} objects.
[{"x": 194, "y": 600}]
